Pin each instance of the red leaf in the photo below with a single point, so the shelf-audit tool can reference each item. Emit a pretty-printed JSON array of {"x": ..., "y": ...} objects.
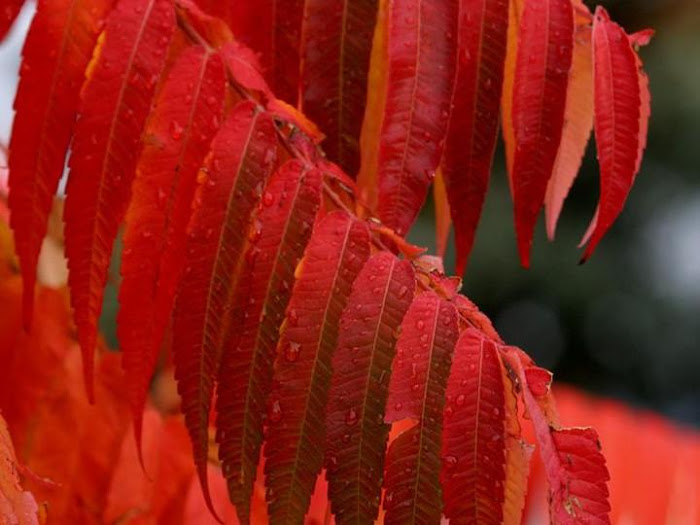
[
  {"x": 473, "y": 122},
  {"x": 176, "y": 140},
  {"x": 231, "y": 183},
  {"x": 8, "y": 12},
  {"x": 621, "y": 118},
  {"x": 245, "y": 68},
  {"x": 421, "y": 47},
  {"x": 273, "y": 28},
  {"x": 334, "y": 68},
  {"x": 17, "y": 507},
  {"x": 417, "y": 390},
  {"x": 337, "y": 251},
  {"x": 539, "y": 100},
  {"x": 281, "y": 231},
  {"x": 357, "y": 434},
  {"x": 573, "y": 464},
  {"x": 45, "y": 105},
  {"x": 473, "y": 448},
  {"x": 116, "y": 100},
  {"x": 578, "y": 119}
]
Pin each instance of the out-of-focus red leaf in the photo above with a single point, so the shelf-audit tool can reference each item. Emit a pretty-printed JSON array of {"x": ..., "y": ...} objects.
[
  {"x": 282, "y": 228},
  {"x": 578, "y": 119},
  {"x": 543, "y": 63},
  {"x": 185, "y": 118},
  {"x": 230, "y": 187},
  {"x": 473, "y": 120},
  {"x": 156, "y": 495},
  {"x": 8, "y": 12},
  {"x": 421, "y": 65},
  {"x": 55, "y": 55},
  {"x": 622, "y": 108},
  {"x": 17, "y": 507},
  {"x": 473, "y": 447},
  {"x": 417, "y": 391},
  {"x": 334, "y": 67},
  {"x": 356, "y": 432},
  {"x": 116, "y": 99},
  {"x": 336, "y": 253}
]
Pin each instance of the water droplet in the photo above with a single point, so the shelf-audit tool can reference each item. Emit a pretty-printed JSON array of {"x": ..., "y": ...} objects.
[
  {"x": 449, "y": 412},
  {"x": 268, "y": 199},
  {"x": 420, "y": 324},
  {"x": 351, "y": 418},
  {"x": 255, "y": 231},
  {"x": 398, "y": 406},
  {"x": 275, "y": 411},
  {"x": 460, "y": 400},
  {"x": 293, "y": 317},
  {"x": 496, "y": 412},
  {"x": 291, "y": 352},
  {"x": 403, "y": 291},
  {"x": 450, "y": 462},
  {"x": 176, "y": 130}
]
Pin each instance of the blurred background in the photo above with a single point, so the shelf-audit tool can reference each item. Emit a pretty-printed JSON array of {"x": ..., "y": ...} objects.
[{"x": 627, "y": 323}]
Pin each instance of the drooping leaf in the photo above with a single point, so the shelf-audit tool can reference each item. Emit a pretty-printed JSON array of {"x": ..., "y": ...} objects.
[
  {"x": 186, "y": 116},
  {"x": 8, "y": 12},
  {"x": 281, "y": 230},
  {"x": 334, "y": 67},
  {"x": 573, "y": 464},
  {"x": 421, "y": 51},
  {"x": 545, "y": 47},
  {"x": 622, "y": 101},
  {"x": 578, "y": 119},
  {"x": 116, "y": 99},
  {"x": 241, "y": 158},
  {"x": 417, "y": 391},
  {"x": 55, "y": 55},
  {"x": 473, "y": 447},
  {"x": 336, "y": 253},
  {"x": 356, "y": 432},
  {"x": 473, "y": 121}
]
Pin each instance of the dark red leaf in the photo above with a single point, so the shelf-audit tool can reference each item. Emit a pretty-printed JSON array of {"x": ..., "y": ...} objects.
[
  {"x": 337, "y": 251},
  {"x": 45, "y": 105},
  {"x": 421, "y": 65},
  {"x": 186, "y": 116},
  {"x": 116, "y": 100},
  {"x": 473, "y": 447},
  {"x": 334, "y": 69},
  {"x": 473, "y": 122},
  {"x": 357, "y": 434},
  {"x": 279, "y": 235},
  {"x": 545, "y": 47},
  {"x": 241, "y": 158},
  {"x": 417, "y": 391}
]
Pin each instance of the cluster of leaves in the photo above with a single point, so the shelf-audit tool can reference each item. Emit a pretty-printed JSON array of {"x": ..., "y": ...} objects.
[{"x": 275, "y": 264}]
